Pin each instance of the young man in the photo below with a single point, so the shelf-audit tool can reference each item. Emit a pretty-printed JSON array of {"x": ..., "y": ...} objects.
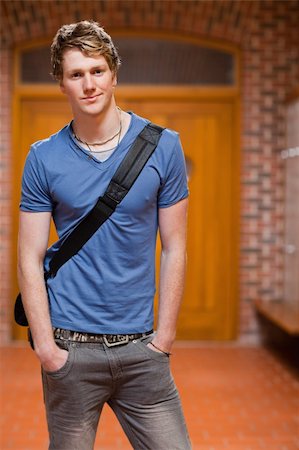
[{"x": 108, "y": 287}]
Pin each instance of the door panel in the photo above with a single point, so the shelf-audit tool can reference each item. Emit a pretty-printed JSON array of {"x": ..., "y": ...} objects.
[{"x": 206, "y": 131}]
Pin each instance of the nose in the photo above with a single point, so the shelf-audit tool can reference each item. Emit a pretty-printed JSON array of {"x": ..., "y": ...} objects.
[{"x": 88, "y": 83}]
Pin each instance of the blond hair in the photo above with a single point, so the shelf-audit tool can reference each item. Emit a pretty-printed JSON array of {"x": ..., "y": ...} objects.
[{"x": 89, "y": 37}]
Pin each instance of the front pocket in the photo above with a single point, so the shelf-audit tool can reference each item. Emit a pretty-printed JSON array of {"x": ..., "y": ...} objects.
[
  {"x": 157, "y": 356},
  {"x": 64, "y": 370}
]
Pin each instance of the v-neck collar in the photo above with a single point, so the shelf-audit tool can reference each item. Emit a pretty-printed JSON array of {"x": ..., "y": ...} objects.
[{"x": 102, "y": 165}]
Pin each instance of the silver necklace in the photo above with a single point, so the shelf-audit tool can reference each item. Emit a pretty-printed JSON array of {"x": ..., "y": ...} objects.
[
  {"x": 88, "y": 144},
  {"x": 108, "y": 149}
]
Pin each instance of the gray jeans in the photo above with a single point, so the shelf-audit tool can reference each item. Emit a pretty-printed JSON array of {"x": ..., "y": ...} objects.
[{"x": 133, "y": 379}]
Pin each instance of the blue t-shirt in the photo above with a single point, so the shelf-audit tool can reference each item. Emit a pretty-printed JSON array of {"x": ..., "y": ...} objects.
[{"x": 109, "y": 285}]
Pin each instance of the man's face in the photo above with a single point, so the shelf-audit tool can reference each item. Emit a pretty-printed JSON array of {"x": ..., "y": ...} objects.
[{"x": 87, "y": 82}]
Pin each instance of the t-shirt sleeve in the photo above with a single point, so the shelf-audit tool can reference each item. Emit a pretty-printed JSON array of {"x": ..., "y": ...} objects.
[
  {"x": 35, "y": 196},
  {"x": 174, "y": 185}
]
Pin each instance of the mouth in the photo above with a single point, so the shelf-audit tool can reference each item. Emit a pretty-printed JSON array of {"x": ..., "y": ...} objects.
[{"x": 91, "y": 97}]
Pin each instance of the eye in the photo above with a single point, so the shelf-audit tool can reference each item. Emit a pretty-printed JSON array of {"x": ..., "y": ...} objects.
[
  {"x": 76, "y": 75},
  {"x": 98, "y": 71}
]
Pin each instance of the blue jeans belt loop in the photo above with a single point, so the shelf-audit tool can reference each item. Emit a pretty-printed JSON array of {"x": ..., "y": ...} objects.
[{"x": 110, "y": 340}]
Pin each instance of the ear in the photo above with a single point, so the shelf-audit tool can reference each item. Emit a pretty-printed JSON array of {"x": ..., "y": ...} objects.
[{"x": 114, "y": 80}]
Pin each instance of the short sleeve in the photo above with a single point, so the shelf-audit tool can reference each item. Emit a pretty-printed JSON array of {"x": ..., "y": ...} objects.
[
  {"x": 174, "y": 184},
  {"x": 35, "y": 194}
]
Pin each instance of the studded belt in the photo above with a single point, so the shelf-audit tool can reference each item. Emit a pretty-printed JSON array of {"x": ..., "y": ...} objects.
[{"x": 110, "y": 340}]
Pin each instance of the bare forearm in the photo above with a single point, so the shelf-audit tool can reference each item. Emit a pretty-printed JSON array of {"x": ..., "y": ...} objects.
[
  {"x": 35, "y": 300},
  {"x": 172, "y": 276},
  {"x": 32, "y": 245}
]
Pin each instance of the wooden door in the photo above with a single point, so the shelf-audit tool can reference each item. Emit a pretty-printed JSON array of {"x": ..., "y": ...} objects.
[{"x": 206, "y": 130}]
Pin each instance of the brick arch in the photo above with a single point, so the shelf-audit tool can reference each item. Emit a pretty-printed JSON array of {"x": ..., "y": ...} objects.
[
  {"x": 228, "y": 21},
  {"x": 266, "y": 33}
]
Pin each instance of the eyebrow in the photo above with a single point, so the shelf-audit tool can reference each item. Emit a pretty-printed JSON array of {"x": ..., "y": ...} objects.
[{"x": 80, "y": 69}]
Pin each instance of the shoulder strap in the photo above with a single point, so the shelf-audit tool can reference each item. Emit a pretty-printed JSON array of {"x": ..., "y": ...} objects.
[{"x": 120, "y": 184}]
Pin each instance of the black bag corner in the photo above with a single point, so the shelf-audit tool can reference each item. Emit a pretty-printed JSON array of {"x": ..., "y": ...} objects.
[{"x": 19, "y": 312}]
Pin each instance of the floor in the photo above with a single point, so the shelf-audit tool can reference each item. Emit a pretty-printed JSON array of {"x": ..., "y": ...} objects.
[{"x": 234, "y": 398}]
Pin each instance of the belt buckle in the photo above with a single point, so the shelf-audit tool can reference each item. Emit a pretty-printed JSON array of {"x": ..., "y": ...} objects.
[{"x": 114, "y": 341}]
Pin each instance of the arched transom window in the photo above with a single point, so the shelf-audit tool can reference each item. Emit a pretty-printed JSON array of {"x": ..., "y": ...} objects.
[{"x": 149, "y": 61}]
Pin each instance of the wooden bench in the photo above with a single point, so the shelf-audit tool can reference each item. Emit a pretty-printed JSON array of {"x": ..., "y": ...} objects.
[{"x": 281, "y": 314}]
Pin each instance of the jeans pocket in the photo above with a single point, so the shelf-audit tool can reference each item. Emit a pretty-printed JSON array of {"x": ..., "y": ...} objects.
[
  {"x": 64, "y": 370},
  {"x": 153, "y": 354}
]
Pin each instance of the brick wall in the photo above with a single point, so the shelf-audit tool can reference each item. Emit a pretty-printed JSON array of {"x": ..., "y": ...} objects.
[
  {"x": 270, "y": 72},
  {"x": 266, "y": 33}
]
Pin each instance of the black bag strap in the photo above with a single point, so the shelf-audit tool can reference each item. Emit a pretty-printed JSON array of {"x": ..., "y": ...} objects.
[{"x": 120, "y": 184}]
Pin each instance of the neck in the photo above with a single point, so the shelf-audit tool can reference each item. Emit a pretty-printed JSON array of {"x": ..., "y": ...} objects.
[{"x": 97, "y": 128}]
